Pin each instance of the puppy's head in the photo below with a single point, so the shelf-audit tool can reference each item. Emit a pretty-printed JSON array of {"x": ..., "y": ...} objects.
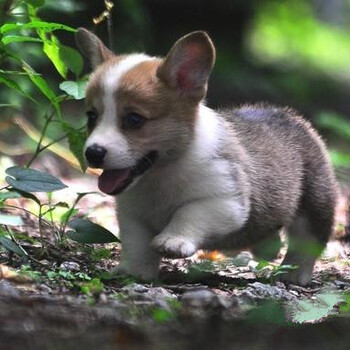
[{"x": 141, "y": 110}]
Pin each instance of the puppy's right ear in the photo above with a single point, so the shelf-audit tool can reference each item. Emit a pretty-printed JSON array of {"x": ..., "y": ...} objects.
[{"x": 92, "y": 47}]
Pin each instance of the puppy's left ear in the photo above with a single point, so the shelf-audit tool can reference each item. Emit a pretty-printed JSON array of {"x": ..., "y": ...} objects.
[
  {"x": 92, "y": 47},
  {"x": 188, "y": 65}
]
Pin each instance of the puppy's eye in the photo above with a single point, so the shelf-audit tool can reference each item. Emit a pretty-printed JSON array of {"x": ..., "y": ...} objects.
[
  {"x": 91, "y": 119},
  {"x": 133, "y": 121}
]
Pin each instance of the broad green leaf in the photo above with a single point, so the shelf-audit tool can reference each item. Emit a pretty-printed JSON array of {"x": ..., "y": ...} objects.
[
  {"x": 18, "y": 38},
  {"x": 74, "y": 88},
  {"x": 14, "y": 86},
  {"x": 311, "y": 310},
  {"x": 10, "y": 220},
  {"x": 31, "y": 180},
  {"x": 52, "y": 51},
  {"x": 86, "y": 231},
  {"x": 12, "y": 246},
  {"x": 36, "y": 24},
  {"x": 76, "y": 141},
  {"x": 72, "y": 59}
]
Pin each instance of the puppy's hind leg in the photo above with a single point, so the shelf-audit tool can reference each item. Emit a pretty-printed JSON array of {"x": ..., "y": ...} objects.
[
  {"x": 313, "y": 224},
  {"x": 307, "y": 237},
  {"x": 303, "y": 250}
]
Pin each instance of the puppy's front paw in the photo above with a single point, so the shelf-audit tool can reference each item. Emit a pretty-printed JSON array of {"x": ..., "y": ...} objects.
[{"x": 173, "y": 247}]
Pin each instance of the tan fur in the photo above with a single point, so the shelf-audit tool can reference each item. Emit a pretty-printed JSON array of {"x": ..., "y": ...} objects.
[{"x": 227, "y": 179}]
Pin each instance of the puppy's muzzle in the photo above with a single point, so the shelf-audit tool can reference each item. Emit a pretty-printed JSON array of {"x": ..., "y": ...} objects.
[{"x": 95, "y": 155}]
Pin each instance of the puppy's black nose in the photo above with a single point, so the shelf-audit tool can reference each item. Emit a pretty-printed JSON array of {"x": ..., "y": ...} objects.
[{"x": 95, "y": 155}]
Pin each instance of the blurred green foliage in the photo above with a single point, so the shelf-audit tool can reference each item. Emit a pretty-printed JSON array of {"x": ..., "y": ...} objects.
[{"x": 289, "y": 33}]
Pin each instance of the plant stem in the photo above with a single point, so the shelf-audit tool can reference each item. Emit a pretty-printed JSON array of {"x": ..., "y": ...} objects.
[
  {"x": 38, "y": 146},
  {"x": 26, "y": 211}
]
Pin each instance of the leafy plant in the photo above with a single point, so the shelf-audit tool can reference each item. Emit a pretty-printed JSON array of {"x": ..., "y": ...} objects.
[
  {"x": 314, "y": 310},
  {"x": 269, "y": 270},
  {"x": 21, "y": 25}
]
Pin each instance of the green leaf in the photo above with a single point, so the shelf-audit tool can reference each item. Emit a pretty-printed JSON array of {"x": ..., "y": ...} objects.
[
  {"x": 10, "y": 220},
  {"x": 41, "y": 84},
  {"x": 52, "y": 51},
  {"x": 31, "y": 180},
  {"x": 310, "y": 310},
  {"x": 9, "y": 195},
  {"x": 72, "y": 59},
  {"x": 18, "y": 38},
  {"x": 14, "y": 86},
  {"x": 76, "y": 141},
  {"x": 28, "y": 195},
  {"x": 74, "y": 88},
  {"x": 345, "y": 306},
  {"x": 8, "y": 105},
  {"x": 86, "y": 231},
  {"x": 36, "y": 24},
  {"x": 12, "y": 246},
  {"x": 94, "y": 286},
  {"x": 67, "y": 215},
  {"x": 162, "y": 315}
]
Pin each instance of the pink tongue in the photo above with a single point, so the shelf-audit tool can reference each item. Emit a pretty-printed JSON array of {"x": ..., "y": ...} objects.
[{"x": 110, "y": 181}]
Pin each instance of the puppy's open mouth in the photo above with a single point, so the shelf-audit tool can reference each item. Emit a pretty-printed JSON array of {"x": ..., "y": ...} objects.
[{"x": 115, "y": 181}]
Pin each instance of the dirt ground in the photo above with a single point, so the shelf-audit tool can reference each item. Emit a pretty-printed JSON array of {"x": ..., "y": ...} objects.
[{"x": 62, "y": 298}]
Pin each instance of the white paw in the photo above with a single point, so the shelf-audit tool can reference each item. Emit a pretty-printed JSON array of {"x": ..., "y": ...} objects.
[
  {"x": 173, "y": 247},
  {"x": 299, "y": 277}
]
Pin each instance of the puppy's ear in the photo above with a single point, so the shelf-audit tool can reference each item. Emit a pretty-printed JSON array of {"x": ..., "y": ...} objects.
[
  {"x": 188, "y": 64},
  {"x": 92, "y": 47}
]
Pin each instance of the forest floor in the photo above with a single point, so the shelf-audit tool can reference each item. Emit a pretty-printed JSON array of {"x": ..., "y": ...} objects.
[{"x": 60, "y": 296}]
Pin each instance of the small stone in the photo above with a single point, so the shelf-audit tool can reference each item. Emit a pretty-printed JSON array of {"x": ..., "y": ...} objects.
[
  {"x": 259, "y": 291},
  {"x": 143, "y": 293},
  {"x": 242, "y": 259},
  {"x": 102, "y": 298},
  {"x": 134, "y": 290},
  {"x": 199, "y": 298},
  {"x": 8, "y": 290},
  {"x": 44, "y": 288},
  {"x": 70, "y": 266},
  {"x": 341, "y": 284}
]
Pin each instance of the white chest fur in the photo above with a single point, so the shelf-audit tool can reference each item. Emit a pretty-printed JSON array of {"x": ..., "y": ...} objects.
[{"x": 199, "y": 175}]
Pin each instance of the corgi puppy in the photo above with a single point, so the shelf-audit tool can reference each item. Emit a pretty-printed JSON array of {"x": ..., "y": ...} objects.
[{"x": 187, "y": 177}]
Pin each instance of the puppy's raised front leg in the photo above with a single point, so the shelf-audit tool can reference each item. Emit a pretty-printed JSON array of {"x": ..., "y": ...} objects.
[
  {"x": 138, "y": 259},
  {"x": 196, "y": 224}
]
